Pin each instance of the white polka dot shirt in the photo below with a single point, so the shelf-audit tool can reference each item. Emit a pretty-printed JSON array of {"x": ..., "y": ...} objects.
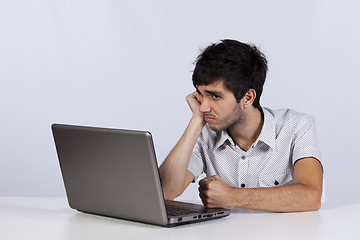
[{"x": 286, "y": 137}]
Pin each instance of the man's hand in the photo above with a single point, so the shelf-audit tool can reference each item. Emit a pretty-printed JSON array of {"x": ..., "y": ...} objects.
[
  {"x": 215, "y": 193},
  {"x": 194, "y": 104}
]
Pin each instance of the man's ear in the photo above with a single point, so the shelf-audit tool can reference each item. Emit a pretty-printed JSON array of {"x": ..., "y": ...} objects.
[{"x": 249, "y": 98}]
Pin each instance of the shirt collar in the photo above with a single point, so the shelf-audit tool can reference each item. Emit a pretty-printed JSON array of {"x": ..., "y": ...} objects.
[
  {"x": 222, "y": 138},
  {"x": 267, "y": 134}
]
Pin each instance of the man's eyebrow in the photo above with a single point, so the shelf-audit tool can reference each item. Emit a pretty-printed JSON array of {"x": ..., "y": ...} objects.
[{"x": 214, "y": 93}]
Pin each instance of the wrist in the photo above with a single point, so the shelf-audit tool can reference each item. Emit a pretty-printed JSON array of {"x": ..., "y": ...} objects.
[
  {"x": 198, "y": 121},
  {"x": 237, "y": 197}
]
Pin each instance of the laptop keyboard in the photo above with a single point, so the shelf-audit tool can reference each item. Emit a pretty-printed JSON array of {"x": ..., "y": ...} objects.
[{"x": 178, "y": 211}]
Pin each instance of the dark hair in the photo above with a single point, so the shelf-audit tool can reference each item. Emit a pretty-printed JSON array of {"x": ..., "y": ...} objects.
[{"x": 241, "y": 66}]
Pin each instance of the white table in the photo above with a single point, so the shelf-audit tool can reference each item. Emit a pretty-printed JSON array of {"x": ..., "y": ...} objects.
[{"x": 51, "y": 219}]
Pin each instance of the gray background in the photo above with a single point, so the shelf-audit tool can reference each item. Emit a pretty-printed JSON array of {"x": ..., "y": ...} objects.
[{"x": 128, "y": 64}]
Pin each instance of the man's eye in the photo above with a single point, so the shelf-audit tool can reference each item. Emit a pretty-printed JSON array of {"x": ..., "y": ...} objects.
[{"x": 216, "y": 97}]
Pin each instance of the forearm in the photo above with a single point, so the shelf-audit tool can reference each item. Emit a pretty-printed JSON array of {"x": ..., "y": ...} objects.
[
  {"x": 291, "y": 198},
  {"x": 173, "y": 169}
]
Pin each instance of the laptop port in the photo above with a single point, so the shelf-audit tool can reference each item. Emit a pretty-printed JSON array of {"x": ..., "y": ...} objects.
[
  {"x": 179, "y": 219},
  {"x": 209, "y": 215}
]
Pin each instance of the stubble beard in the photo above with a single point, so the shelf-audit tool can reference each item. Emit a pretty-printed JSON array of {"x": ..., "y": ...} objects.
[{"x": 232, "y": 119}]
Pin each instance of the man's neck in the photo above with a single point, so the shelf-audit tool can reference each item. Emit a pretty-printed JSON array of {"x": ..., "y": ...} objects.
[{"x": 248, "y": 130}]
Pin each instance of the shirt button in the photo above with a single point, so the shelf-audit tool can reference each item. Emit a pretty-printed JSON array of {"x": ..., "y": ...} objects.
[
  {"x": 243, "y": 185},
  {"x": 243, "y": 157},
  {"x": 276, "y": 183}
]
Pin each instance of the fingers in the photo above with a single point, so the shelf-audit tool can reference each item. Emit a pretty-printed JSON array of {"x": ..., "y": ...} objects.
[
  {"x": 204, "y": 197},
  {"x": 193, "y": 102},
  {"x": 214, "y": 192},
  {"x": 203, "y": 183},
  {"x": 192, "y": 97},
  {"x": 206, "y": 200},
  {"x": 207, "y": 180},
  {"x": 204, "y": 186}
]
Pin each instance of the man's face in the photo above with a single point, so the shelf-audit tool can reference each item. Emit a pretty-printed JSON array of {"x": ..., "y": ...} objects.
[{"x": 219, "y": 106}]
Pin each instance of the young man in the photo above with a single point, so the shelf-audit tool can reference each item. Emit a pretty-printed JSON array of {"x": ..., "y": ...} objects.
[{"x": 253, "y": 157}]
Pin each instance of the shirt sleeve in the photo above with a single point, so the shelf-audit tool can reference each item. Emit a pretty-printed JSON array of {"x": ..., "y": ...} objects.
[
  {"x": 305, "y": 143},
  {"x": 196, "y": 164}
]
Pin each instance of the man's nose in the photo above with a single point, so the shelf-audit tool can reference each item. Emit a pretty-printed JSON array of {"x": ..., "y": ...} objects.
[{"x": 204, "y": 106}]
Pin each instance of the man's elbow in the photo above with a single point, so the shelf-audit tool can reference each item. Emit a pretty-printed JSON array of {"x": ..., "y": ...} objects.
[
  {"x": 317, "y": 206},
  {"x": 170, "y": 194},
  {"x": 314, "y": 206},
  {"x": 313, "y": 202}
]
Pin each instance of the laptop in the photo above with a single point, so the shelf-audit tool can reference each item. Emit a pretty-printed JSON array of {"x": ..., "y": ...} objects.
[{"x": 114, "y": 173}]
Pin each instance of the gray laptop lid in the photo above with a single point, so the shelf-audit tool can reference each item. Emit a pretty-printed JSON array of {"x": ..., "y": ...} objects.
[{"x": 110, "y": 172}]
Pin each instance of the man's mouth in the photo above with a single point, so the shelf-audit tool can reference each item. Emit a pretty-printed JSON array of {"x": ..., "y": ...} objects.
[{"x": 209, "y": 118}]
